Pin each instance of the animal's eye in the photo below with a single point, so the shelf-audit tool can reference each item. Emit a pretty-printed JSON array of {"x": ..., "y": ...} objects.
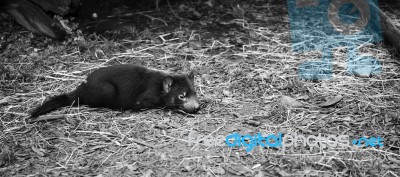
[{"x": 182, "y": 96}]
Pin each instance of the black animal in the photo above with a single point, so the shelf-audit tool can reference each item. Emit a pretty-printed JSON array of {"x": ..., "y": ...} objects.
[{"x": 131, "y": 87}]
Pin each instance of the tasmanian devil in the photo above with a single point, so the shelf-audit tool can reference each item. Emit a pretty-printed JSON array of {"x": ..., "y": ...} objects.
[{"x": 129, "y": 87}]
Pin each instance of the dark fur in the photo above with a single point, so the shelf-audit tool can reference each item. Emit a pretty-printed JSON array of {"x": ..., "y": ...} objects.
[
  {"x": 32, "y": 17},
  {"x": 125, "y": 87}
]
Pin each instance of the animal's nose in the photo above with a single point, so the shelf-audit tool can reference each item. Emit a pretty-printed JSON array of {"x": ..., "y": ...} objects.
[
  {"x": 192, "y": 106},
  {"x": 197, "y": 109},
  {"x": 192, "y": 110}
]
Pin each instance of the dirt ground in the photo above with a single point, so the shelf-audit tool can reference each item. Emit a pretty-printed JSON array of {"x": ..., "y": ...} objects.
[{"x": 246, "y": 79}]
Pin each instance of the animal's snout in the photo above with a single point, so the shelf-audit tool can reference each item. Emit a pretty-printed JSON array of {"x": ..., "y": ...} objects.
[{"x": 191, "y": 105}]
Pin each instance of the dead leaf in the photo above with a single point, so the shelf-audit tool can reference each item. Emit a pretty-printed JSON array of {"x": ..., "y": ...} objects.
[
  {"x": 164, "y": 156},
  {"x": 227, "y": 92},
  {"x": 363, "y": 72},
  {"x": 196, "y": 13},
  {"x": 347, "y": 119},
  {"x": 98, "y": 147},
  {"x": 303, "y": 97},
  {"x": 5, "y": 100},
  {"x": 281, "y": 172},
  {"x": 162, "y": 126},
  {"x": 239, "y": 170},
  {"x": 132, "y": 167},
  {"x": 56, "y": 173},
  {"x": 38, "y": 151},
  {"x": 259, "y": 173},
  {"x": 290, "y": 102},
  {"x": 209, "y": 3},
  {"x": 187, "y": 167},
  {"x": 238, "y": 41},
  {"x": 217, "y": 170},
  {"x": 158, "y": 40},
  {"x": 394, "y": 160},
  {"x": 332, "y": 101},
  {"x": 253, "y": 123},
  {"x": 148, "y": 173},
  {"x": 195, "y": 45}
]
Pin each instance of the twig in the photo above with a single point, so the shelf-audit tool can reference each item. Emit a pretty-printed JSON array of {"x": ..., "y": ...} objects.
[
  {"x": 142, "y": 143},
  {"x": 47, "y": 118}
]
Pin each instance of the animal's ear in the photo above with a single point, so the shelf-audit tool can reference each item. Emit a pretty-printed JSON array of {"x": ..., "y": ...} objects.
[
  {"x": 167, "y": 83},
  {"x": 191, "y": 76}
]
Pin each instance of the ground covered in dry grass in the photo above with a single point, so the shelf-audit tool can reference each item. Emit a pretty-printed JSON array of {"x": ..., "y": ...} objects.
[{"x": 246, "y": 80}]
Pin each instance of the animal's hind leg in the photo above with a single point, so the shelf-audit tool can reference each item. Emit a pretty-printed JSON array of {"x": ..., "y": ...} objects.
[{"x": 99, "y": 94}]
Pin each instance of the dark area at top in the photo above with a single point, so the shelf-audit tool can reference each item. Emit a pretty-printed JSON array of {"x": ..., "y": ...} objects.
[{"x": 93, "y": 15}]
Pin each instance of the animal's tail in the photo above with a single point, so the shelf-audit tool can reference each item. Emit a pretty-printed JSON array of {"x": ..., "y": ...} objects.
[{"x": 54, "y": 103}]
